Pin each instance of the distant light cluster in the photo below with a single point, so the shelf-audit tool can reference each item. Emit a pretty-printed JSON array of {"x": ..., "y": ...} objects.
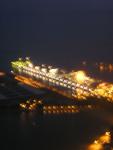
[
  {"x": 100, "y": 66},
  {"x": 65, "y": 109},
  {"x": 30, "y": 104},
  {"x": 102, "y": 142}
]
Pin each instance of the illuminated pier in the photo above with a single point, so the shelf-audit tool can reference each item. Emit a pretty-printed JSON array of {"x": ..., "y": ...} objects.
[
  {"x": 35, "y": 104},
  {"x": 65, "y": 109}
]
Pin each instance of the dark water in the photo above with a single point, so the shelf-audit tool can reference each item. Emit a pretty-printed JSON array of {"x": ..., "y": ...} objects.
[{"x": 31, "y": 130}]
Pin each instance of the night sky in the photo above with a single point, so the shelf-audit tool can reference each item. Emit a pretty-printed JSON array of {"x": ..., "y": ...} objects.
[{"x": 56, "y": 31}]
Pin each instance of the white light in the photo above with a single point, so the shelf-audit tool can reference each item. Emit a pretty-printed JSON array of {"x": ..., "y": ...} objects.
[
  {"x": 37, "y": 67},
  {"x": 27, "y": 58},
  {"x": 12, "y": 71},
  {"x": 30, "y": 65},
  {"x": 69, "y": 86}
]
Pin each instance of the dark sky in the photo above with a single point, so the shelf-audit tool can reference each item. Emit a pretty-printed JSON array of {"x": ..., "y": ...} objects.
[{"x": 60, "y": 32}]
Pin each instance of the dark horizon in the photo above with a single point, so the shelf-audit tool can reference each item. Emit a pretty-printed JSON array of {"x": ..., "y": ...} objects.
[{"x": 58, "y": 32}]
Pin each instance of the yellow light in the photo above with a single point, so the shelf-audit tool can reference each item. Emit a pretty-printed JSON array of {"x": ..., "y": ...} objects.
[
  {"x": 80, "y": 76},
  {"x": 107, "y": 133},
  {"x": 105, "y": 139},
  {"x": 39, "y": 102},
  {"x": 94, "y": 146},
  {"x": 96, "y": 142}
]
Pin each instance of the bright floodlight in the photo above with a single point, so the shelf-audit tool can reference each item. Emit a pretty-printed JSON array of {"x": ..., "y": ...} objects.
[{"x": 80, "y": 76}]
